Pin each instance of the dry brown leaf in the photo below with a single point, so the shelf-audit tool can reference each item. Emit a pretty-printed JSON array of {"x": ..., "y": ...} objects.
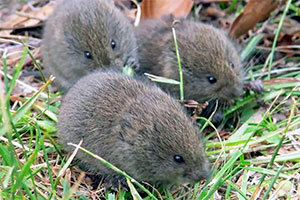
[
  {"x": 55, "y": 170},
  {"x": 158, "y": 8},
  {"x": 255, "y": 11},
  {"x": 296, "y": 38},
  {"x": 27, "y": 17},
  {"x": 225, "y": 134},
  {"x": 214, "y": 12},
  {"x": 290, "y": 26},
  {"x": 68, "y": 176}
]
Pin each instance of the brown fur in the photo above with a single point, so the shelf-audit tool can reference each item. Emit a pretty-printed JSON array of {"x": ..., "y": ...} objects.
[
  {"x": 135, "y": 126},
  {"x": 204, "y": 51},
  {"x": 77, "y": 26}
]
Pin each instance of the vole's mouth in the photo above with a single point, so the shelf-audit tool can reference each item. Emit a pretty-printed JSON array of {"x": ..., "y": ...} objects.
[
  {"x": 228, "y": 94},
  {"x": 195, "y": 176},
  {"x": 131, "y": 62},
  {"x": 183, "y": 180}
]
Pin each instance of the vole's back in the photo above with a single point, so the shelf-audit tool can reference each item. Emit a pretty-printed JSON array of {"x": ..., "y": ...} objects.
[
  {"x": 133, "y": 125},
  {"x": 102, "y": 97}
]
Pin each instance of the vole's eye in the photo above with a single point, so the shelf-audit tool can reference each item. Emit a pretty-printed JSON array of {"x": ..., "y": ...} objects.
[
  {"x": 113, "y": 44},
  {"x": 178, "y": 159},
  {"x": 88, "y": 55},
  {"x": 231, "y": 64},
  {"x": 211, "y": 79}
]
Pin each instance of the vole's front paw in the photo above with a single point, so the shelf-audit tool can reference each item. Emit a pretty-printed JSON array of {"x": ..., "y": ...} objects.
[
  {"x": 115, "y": 182},
  {"x": 256, "y": 86},
  {"x": 217, "y": 118}
]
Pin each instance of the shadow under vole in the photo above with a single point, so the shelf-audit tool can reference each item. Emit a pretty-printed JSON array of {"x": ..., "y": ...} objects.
[
  {"x": 83, "y": 35},
  {"x": 133, "y": 125},
  {"x": 210, "y": 63}
]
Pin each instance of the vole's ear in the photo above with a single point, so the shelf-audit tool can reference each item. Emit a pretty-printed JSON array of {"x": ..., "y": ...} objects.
[
  {"x": 171, "y": 21},
  {"x": 127, "y": 8},
  {"x": 168, "y": 18},
  {"x": 123, "y": 136}
]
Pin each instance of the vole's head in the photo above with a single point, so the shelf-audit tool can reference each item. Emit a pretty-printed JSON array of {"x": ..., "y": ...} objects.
[
  {"x": 166, "y": 149},
  {"x": 211, "y": 64},
  {"x": 96, "y": 34}
]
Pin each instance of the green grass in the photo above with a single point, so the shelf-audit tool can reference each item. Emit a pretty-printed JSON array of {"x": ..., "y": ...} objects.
[{"x": 256, "y": 157}]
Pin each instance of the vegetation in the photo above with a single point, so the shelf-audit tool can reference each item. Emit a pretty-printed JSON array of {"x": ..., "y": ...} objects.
[{"x": 254, "y": 151}]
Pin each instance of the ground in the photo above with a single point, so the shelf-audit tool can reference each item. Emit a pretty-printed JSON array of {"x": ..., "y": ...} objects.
[{"x": 254, "y": 151}]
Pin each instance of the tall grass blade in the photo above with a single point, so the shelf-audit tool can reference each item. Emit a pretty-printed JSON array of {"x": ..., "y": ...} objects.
[
  {"x": 288, "y": 3},
  {"x": 179, "y": 65}
]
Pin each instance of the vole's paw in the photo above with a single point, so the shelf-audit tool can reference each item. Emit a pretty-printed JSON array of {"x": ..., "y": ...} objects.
[
  {"x": 132, "y": 62},
  {"x": 217, "y": 118},
  {"x": 256, "y": 86},
  {"x": 115, "y": 182},
  {"x": 36, "y": 74}
]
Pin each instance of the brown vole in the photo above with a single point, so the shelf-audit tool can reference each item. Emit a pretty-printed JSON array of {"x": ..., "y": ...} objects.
[
  {"x": 210, "y": 63},
  {"x": 83, "y": 35},
  {"x": 135, "y": 126}
]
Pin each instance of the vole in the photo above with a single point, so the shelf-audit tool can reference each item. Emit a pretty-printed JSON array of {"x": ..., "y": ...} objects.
[
  {"x": 210, "y": 62},
  {"x": 83, "y": 35},
  {"x": 133, "y": 125}
]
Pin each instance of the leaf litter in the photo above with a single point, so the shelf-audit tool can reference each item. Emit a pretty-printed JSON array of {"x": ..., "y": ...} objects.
[{"x": 22, "y": 22}]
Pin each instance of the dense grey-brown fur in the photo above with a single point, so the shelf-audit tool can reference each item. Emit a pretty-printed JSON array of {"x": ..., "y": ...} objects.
[
  {"x": 133, "y": 125},
  {"x": 204, "y": 51},
  {"x": 80, "y": 26}
]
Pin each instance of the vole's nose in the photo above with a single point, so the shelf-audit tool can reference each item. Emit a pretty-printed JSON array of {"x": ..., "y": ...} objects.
[
  {"x": 132, "y": 62},
  {"x": 198, "y": 175},
  {"x": 232, "y": 92},
  {"x": 236, "y": 92}
]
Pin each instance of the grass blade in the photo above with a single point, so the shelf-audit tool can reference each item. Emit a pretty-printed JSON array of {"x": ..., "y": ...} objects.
[
  {"x": 161, "y": 79},
  {"x": 272, "y": 183},
  {"x": 217, "y": 180},
  {"x": 179, "y": 65},
  {"x": 115, "y": 169},
  {"x": 288, "y": 3},
  {"x": 251, "y": 47},
  {"x": 26, "y": 106}
]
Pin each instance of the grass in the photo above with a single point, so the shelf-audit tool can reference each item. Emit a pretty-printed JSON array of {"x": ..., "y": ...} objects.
[
  {"x": 276, "y": 36},
  {"x": 255, "y": 151},
  {"x": 181, "y": 91}
]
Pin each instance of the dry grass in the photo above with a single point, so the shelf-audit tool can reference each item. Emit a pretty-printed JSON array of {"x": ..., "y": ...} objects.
[{"x": 255, "y": 151}]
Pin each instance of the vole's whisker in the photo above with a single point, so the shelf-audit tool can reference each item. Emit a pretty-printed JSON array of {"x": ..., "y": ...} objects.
[
  {"x": 134, "y": 49},
  {"x": 256, "y": 60}
]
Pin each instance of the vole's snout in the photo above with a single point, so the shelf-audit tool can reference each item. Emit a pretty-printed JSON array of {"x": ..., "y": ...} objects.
[
  {"x": 199, "y": 175},
  {"x": 232, "y": 92},
  {"x": 132, "y": 62},
  {"x": 236, "y": 92}
]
